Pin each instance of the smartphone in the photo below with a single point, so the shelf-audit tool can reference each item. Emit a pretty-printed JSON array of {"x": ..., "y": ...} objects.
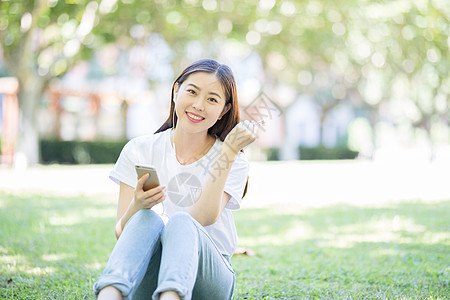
[{"x": 152, "y": 180}]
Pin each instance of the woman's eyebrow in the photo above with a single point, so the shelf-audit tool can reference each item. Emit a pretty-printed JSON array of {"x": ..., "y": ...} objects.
[{"x": 213, "y": 93}]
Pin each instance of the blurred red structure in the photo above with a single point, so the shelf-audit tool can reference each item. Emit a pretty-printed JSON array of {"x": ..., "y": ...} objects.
[
  {"x": 9, "y": 89},
  {"x": 9, "y": 110},
  {"x": 57, "y": 94}
]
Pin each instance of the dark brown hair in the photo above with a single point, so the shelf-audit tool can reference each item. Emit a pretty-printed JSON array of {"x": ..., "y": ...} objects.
[
  {"x": 223, "y": 73},
  {"x": 225, "y": 76}
]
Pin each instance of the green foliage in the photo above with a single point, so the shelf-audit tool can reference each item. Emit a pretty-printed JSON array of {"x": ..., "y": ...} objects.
[
  {"x": 390, "y": 54},
  {"x": 272, "y": 153},
  {"x": 322, "y": 152},
  {"x": 315, "y": 153},
  {"x": 80, "y": 152}
]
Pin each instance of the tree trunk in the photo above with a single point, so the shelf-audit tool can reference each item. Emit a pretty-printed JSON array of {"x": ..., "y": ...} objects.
[
  {"x": 373, "y": 119},
  {"x": 31, "y": 87},
  {"x": 427, "y": 127},
  {"x": 22, "y": 64},
  {"x": 323, "y": 115}
]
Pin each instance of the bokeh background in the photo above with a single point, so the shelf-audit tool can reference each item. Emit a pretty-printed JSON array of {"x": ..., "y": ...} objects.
[
  {"x": 348, "y": 189},
  {"x": 341, "y": 79}
]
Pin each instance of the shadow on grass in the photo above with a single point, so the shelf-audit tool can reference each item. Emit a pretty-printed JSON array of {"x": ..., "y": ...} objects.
[
  {"x": 55, "y": 247},
  {"x": 430, "y": 216},
  {"x": 345, "y": 252}
]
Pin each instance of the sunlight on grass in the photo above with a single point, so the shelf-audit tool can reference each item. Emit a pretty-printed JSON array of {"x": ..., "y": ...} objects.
[
  {"x": 53, "y": 246},
  {"x": 385, "y": 252},
  {"x": 345, "y": 252},
  {"x": 65, "y": 221},
  {"x": 56, "y": 247},
  {"x": 385, "y": 230},
  {"x": 94, "y": 266},
  {"x": 11, "y": 260},
  {"x": 19, "y": 264},
  {"x": 298, "y": 231},
  {"x": 37, "y": 270},
  {"x": 55, "y": 257},
  {"x": 69, "y": 220},
  {"x": 437, "y": 238},
  {"x": 399, "y": 229}
]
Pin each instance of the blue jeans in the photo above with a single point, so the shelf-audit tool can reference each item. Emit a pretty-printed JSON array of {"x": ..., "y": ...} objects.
[{"x": 150, "y": 258}]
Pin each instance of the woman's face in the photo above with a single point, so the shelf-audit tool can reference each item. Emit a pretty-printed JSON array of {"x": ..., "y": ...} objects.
[{"x": 199, "y": 102}]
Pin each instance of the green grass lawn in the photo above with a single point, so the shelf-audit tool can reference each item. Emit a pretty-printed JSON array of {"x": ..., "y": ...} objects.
[{"x": 55, "y": 247}]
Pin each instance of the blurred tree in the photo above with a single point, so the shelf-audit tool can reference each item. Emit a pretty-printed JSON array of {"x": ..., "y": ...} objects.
[
  {"x": 404, "y": 57},
  {"x": 419, "y": 55},
  {"x": 389, "y": 55},
  {"x": 42, "y": 39},
  {"x": 379, "y": 54}
]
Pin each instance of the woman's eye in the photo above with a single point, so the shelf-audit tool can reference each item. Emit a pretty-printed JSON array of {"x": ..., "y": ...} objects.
[
  {"x": 212, "y": 100},
  {"x": 191, "y": 92}
]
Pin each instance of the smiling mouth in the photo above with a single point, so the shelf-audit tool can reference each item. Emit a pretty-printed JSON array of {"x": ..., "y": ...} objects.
[{"x": 194, "y": 117}]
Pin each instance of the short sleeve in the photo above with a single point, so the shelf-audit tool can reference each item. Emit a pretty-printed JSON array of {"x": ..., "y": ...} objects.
[
  {"x": 124, "y": 170},
  {"x": 236, "y": 181}
]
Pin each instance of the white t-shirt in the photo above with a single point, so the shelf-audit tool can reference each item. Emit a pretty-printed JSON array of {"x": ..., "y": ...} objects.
[{"x": 184, "y": 182}]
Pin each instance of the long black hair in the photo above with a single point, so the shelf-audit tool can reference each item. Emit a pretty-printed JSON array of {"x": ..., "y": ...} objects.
[{"x": 225, "y": 76}]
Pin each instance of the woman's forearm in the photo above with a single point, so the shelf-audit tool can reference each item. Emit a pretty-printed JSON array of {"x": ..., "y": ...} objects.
[
  {"x": 211, "y": 202},
  {"x": 131, "y": 200},
  {"x": 120, "y": 225},
  {"x": 213, "y": 199}
]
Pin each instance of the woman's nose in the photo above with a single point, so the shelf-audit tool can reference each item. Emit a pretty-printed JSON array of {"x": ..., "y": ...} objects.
[{"x": 198, "y": 104}]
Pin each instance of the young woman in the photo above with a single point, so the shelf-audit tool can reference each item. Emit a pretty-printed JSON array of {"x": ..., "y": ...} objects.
[{"x": 203, "y": 175}]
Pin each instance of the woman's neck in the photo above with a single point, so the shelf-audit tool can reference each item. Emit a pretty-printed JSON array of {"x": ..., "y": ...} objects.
[{"x": 190, "y": 147}]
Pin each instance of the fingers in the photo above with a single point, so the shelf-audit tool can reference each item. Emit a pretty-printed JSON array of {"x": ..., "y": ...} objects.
[
  {"x": 155, "y": 199},
  {"x": 252, "y": 126},
  {"x": 240, "y": 136},
  {"x": 155, "y": 192},
  {"x": 248, "y": 125},
  {"x": 149, "y": 198},
  {"x": 249, "y": 131},
  {"x": 141, "y": 181},
  {"x": 257, "y": 124},
  {"x": 244, "y": 127}
]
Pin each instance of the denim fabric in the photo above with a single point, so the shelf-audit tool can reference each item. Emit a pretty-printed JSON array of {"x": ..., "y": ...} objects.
[{"x": 150, "y": 258}]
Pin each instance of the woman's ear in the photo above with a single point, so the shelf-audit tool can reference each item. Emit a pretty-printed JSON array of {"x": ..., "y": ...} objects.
[
  {"x": 225, "y": 110},
  {"x": 175, "y": 90}
]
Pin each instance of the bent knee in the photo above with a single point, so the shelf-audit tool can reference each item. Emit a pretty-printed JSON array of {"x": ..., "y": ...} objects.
[
  {"x": 147, "y": 217},
  {"x": 178, "y": 222},
  {"x": 181, "y": 217}
]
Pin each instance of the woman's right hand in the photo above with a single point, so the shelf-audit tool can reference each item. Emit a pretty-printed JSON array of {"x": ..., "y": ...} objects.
[{"x": 148, "y": 199}]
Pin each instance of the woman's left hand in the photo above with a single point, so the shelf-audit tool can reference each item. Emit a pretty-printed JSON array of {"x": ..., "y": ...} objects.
[{"x": 242, "y": 135}]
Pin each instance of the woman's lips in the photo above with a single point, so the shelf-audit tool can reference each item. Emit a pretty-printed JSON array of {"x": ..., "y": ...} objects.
[{"x": 194, "y": 118}]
